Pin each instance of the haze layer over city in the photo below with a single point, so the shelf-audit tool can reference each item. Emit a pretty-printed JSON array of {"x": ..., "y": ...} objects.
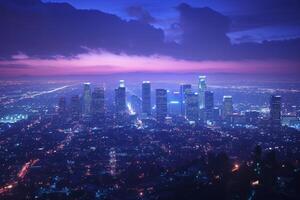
[{"x": 149, "y": 100}]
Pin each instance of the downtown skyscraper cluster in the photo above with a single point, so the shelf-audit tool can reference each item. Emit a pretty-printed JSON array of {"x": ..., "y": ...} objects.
[{"x": 193, "y": 105}]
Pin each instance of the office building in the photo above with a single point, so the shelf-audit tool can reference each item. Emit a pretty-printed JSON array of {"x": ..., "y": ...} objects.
[
  {"x": 209, "y": 105},
  {"x": 275, "y": 111},
  {"x": 135, "y": 105},
  {"x": 120, "y": 98},
  {"x": 201, "y": 91},
  {"x": 227, "y": 106},
  {"x": 192, "y": 106},
  {"x": 183, "y": 89},
  {"x": 87, "y": 98},
  {"x": 161, "y": 104},
  {"x": 75, "y": 110},
  {"x": 146, "y": 97},
  {"x": 98, "y": 109},
  {"x": 62, "y": 106}
]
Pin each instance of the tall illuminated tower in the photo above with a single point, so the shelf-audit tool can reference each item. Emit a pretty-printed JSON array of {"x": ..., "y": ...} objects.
[
  {"x": 209, "y": 105},
  {"x": 227, "y": 106},
  {"x": 201, "y": 91},
  {"x": 275, "y": 111},
  {"x": 62, "y": 106},
  {"x": 120, "y": 98},
  {"x": 183, "y": 90},
  {"x": 98, "y": 103},
  {"x": 161, "y": 104},
  {"x": 146, "y": 97},
  {"x": 75, "y": 107},
  {"x": 87, "y": 98},
  {"x": 192, "y": 106}
]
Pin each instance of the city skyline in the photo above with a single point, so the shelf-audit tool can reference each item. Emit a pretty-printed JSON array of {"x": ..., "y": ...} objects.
[{"x": 149, "y": 100}]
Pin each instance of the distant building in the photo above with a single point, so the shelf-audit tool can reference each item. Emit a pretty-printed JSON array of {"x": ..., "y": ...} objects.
[
  {"x": 146, "y": 97},
  {"x": 161, "y": 104},
  {"x": 62, "y": 106},
  {"x": 183, "y": 89},
  {"x": 136, "y": 105},
  {"x": 275, "y": 111},
  {"x": 201, "y": 91},
  {"x": 87, "y": 98},
  {"x": 75, "y": 110},
  {"x": 120, "y": 98},
  {"x": 227, "y": 106},
  {"x": 192, "y": 106},
  {"x": 217, "y": 112},
  {"x": 174, "y": 99},
  {"x": 174, "y": 107},
  {"x": 290, "y": 121},
  {"x": 98, "y": 109},
  {"x": 209, "y": 105}
]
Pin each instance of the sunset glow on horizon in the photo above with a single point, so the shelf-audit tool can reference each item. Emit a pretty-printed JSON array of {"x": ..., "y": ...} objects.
[{"x": 109, "y": 63}]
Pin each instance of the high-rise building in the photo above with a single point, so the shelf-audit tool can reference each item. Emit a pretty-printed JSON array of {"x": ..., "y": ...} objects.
[
  {"x": 217, "y": 112},
  {"x": 98, "y": 109},
  {"x": 146, "y": 97},
  {"x": 275, "y": 111},
  {"x": 87, "y": 98},
  {"x": 201, "y": 91},
  {"x": 136, "y": 105},
  {"x": 161, "y": 104},
  {"x": 62, "y": 106},
  {"x": 192, "y": 106},
  {"x": 183, "y": 89},
  {"x": 227, "y": 106},
  {"x": 120, "y": 98},
  {"x": 209, "y": 105},
  {"x": 174, "y": 106},
  {"x": 75, "y": 108}
]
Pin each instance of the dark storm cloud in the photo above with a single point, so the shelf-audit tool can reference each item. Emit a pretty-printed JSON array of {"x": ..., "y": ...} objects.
[
  {"x": 204, "y": 30},
  {"x": 259, "y": 13},
  {"x": 140, "y": 14},
  {"x": 44, "y": 29},
  {"x": 205, "y": 37},
  {"x": 48, "y": 29}
]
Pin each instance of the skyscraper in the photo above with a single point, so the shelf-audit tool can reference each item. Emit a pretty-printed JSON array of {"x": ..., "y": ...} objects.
[
  {"x": 62, "y": 106},
  {"x": 183, "y": 89},
  {"x": 120, "y": 98},
  {"x": 201, "y": 91},
  {"x": 98, "y": 104},
  {"x": 87, "y": 98},
  {"x": 161, "y": 104},
  {"x": 174, "y": 106},
  {"x": 75, "y": 107},
  {"x": 192, "y": 106},
  {"x": 209, "y": 105},
  {"x": 146, "y": 97},
  {"x": 227, "y": 106},
  {"x": 136, "y": 104},
  {"x": 275, "y": 111}
]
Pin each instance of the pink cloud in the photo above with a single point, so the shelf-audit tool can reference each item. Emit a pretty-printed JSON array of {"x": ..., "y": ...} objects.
[{"x": 106, "y": 63}]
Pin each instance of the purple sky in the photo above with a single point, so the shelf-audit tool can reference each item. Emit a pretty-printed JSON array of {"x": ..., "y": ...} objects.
[{"x": 60, "y": 37}]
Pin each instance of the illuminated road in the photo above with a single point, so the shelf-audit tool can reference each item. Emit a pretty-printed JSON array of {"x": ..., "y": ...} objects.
[
  {"x": 20, "y": 176},
  {"x": 26, "y": 167},
  {"x": 25, "y": 96},
  {"x": 30, "y": 95}
]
